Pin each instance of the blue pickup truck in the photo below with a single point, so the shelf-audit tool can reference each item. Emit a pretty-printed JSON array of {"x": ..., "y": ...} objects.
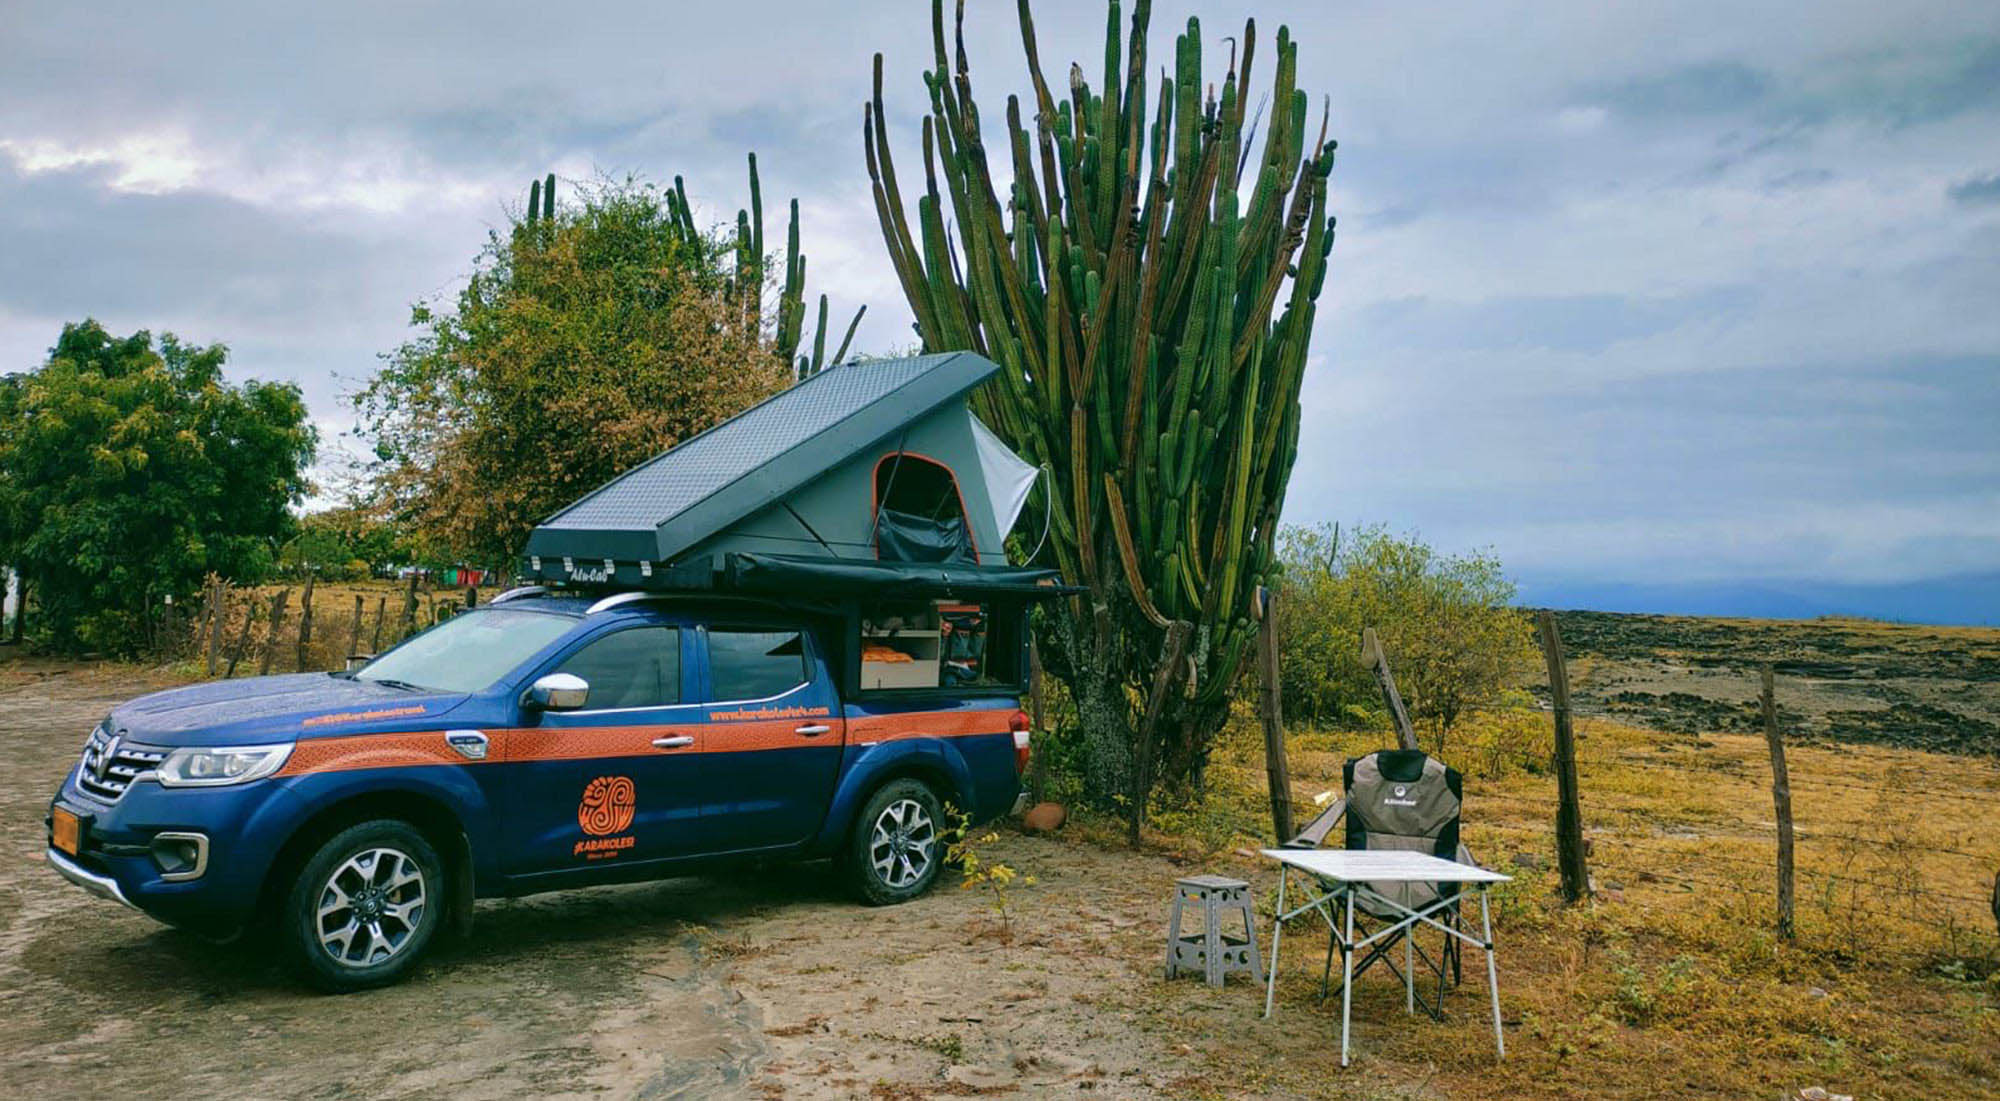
[{"x": 543, "y": 742}]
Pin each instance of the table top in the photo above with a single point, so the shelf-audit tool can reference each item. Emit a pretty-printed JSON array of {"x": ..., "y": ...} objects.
[{"x": 1383, "y": 866}]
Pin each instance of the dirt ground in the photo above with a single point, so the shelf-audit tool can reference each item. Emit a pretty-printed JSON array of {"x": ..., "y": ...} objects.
[
  {"x": 761, "y": 984},
  {"x": 771, "y": 984}
]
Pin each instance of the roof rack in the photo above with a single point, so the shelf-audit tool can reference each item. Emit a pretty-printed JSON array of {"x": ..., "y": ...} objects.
[{"x": 521, "y": 593}]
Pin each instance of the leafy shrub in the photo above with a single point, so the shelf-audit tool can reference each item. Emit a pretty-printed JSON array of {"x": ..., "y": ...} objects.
[{"x": 1454, "y": 642}]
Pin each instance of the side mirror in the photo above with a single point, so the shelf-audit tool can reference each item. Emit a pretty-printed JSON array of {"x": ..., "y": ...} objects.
[
  {"x": 559, "y": 692},
  {"x": 355, "y": 662}
]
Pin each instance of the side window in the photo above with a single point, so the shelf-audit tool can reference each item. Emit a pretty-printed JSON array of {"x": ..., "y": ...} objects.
[
  {"x": 640, "y": 667},
  {"x": 746, "y": 664}
]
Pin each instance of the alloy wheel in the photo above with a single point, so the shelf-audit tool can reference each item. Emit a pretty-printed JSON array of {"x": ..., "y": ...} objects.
[
  {"x": 370, "y": 907},
  {"x": 903, "y": 844}
]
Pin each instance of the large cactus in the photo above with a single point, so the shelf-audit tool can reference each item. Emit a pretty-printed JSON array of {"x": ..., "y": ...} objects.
[
  {"x": 746, "y": 286},
  {"x": 1131, "y": 289}
]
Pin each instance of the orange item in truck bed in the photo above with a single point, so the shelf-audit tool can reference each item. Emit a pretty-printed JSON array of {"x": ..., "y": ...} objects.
[{"x": 884, "y": 653}]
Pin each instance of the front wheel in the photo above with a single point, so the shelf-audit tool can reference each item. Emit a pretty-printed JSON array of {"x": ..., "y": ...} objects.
[
  {"x": 365, "y": 906},
  {"x": 897, "y": 845}
]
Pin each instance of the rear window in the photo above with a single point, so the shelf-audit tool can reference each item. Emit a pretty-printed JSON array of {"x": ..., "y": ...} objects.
[{"x": 747, "y": 664}]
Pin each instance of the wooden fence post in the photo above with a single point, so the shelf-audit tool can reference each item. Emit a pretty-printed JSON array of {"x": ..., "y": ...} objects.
[
  {"x": 1569, "y": 812},
  {"x": 208, "y": 614},
  {"x": 1377, "y": 661},
  {"x": 278, "y": 603},
  {"x": 354, "y": 636},
  {"x": 243, "y": 636},
  {"x": 409, "y": 622},
  {"x": 381, "y": 610},
  {"x": 1277, "y": 771},
  {"x": 1781, "y": 798},
  {"x": 215, "y": 625},
  {"x": 305, "y": 620},
  {"x": 1996, "y": 900},
  {"x": 472, "y": 596}
]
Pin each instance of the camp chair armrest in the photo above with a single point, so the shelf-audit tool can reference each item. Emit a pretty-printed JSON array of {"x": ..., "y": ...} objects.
[{"x": 1316, "y": 831}]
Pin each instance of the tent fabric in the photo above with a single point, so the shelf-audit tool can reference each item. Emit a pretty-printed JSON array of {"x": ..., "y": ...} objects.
[
  {"x": 1009, "y": 478},
  {"x": 903, "y": 537},
  {"x": 784, "y": 573},
  {"x": 756, "y": 459}
]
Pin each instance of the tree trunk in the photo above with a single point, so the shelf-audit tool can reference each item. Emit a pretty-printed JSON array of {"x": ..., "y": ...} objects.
[
  {"x": 1038, "y": 762},
  {"x": 1164, "y": 677}
]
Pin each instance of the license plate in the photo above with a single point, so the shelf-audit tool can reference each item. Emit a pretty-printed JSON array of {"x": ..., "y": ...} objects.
[{"x": 64, "y": 831}]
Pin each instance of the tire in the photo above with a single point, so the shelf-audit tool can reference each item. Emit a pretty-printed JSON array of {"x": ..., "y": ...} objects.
[
  {"x": 897, "y": 845},
  {"x": 382, "y": 870}
]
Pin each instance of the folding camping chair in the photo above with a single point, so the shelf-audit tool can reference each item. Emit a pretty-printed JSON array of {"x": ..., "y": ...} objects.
[{"x": 1403, "y": 800}]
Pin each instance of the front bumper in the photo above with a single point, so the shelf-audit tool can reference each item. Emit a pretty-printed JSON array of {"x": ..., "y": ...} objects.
[
  {"x": 103, "y": 886},
  {"x": 232, "y": 832}
]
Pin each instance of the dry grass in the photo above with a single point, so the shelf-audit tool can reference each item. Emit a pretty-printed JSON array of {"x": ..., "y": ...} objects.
[{"x": 1672, "y": 983}]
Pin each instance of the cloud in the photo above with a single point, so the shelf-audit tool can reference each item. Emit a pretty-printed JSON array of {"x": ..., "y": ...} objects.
[
  {"x": 1976, "y": 190},
  {"x": 1671, "y": 293},
  {"x": 1706, "y": 88}
]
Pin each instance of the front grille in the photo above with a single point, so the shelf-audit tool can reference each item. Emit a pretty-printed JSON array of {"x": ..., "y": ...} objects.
[{"x": 110, "y": 764}]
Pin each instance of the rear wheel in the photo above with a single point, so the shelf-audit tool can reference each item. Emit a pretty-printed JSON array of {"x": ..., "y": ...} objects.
[
  {"x": 897, "y": 845},
  {"x": 365, "y": 906}
]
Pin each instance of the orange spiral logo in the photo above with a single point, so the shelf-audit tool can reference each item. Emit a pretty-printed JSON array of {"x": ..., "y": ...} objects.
[{"x": 608, "y": 803}]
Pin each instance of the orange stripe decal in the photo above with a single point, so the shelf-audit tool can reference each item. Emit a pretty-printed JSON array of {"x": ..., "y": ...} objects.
[{"x": 406, "y": 749}]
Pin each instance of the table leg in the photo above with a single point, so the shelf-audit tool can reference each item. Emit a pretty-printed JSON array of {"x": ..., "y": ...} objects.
[
  {"x": 1492, "y": 972},
  {"x": 1409, "y": 970},
  {"x": 1277, "y": 930},
  {"x": 1347, "y": 977}
]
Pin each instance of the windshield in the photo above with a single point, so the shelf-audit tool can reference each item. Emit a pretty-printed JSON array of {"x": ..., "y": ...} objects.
[{"x": 467, "y": 652}]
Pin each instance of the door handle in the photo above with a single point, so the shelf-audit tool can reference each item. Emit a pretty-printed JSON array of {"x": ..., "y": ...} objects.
[
  {"x": 812, "y": 730},
  {"x": 678, "y": 741}
]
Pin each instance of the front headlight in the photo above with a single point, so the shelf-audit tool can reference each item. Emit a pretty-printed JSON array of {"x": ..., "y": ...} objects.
[{"x": 197, "y": 767}]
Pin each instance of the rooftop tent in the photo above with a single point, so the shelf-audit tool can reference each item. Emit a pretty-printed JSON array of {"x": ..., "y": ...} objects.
[{"x": 871, "y": 463}]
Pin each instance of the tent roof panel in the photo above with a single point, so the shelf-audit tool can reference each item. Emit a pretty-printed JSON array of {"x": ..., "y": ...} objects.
[{"x": 719, "y": 476}]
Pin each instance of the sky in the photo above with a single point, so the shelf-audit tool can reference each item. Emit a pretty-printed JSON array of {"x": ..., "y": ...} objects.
[{"x": 1675, "y": 307}]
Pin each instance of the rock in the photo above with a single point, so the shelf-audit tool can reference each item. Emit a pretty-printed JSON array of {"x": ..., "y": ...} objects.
[
  {"x": 1816, "y": 993},
  {"x": 1045, "y": 817},
  {"x": 1529, "y": 861},
  {"x": 1816, "y": 1093}
]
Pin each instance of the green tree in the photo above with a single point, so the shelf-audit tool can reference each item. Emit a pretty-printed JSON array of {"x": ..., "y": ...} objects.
[
  {"x": 590, "y": 336},
  {"x": 1152, "y": 305},
  {"x": 1452, "y": 637},
  {"x": 129, "y": 471},
  {"x": 343, "y": 543}
]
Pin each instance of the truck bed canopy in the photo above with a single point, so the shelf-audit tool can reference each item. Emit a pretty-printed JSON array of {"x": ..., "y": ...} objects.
[{"x": 856, "y": 470}]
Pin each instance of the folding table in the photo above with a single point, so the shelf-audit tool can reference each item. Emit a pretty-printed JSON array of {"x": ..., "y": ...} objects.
[{"x": 1334, "y": 877}]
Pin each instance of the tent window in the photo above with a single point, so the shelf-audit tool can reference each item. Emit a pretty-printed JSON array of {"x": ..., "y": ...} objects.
[{"x": 919, "y": 514}]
